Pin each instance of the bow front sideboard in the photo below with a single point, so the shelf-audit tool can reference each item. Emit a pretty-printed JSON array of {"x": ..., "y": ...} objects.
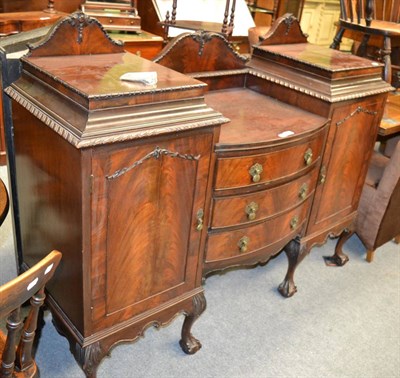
[{"x": 147, "y": 186}]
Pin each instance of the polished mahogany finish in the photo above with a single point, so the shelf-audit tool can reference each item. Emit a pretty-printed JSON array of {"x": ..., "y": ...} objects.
[
  {"x": 261, "y": 199},
  {"x": 69, "y": 6},
  {"x": 117, "y": 175},
  {"x": 144, "y": 44},
  {"x": 141, "y": 175},
  {"x": 17, "y": 22},
  {"x": 287, "y": 86},
  {"x": 349, "y": 92},
  {"x": 29, "y": 16},
  {"x": 121, "y": 16}
]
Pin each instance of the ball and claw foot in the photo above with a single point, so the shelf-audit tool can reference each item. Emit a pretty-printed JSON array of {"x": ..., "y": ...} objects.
[
  {"x": 338, "y": 260},
  {"x": 188, "y": 343},
  {"x": 191, "y": 345},
  {"x": 287, "y": 288}
]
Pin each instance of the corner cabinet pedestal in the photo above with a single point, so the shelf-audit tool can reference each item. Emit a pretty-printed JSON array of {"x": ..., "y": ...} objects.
[
  {"x": 115, "y": 174},
  {"x": 347, "y": 90}
]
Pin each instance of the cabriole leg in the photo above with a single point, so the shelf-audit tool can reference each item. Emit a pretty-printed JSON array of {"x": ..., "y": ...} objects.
[
  {"x": 189, "y": 343},
  {"x": 287, "y": 288},
  {"x": 339, "y": 258}
]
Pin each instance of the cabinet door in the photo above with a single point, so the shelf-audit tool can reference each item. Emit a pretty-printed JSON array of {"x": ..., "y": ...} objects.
[
  {"x": 146, "y": 203},
  {"x": 350, "y": 143}
]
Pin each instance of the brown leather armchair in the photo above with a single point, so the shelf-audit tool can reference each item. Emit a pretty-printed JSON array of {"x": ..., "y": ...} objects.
[{"x": 378, "y": 219}]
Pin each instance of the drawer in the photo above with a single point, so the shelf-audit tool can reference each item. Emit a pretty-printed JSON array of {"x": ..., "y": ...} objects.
[
  {"x": 244, "y": 171},
  {"x": 118, "y": 21},
  {"x": 231, "y": 244},
  {"x": 237, "y": 210}
]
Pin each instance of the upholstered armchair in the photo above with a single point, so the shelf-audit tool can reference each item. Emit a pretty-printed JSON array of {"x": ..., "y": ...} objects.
[{"x": 378, "y": 219}]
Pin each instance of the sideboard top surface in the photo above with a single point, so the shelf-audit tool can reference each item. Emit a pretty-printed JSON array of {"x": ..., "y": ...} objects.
[
  {"x": 322, "y": 58},
  {"x": 256, "y": 117},
  {"x": 98, "y": 77}
]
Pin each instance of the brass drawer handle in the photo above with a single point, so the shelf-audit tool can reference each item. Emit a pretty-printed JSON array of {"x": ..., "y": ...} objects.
[
  {"x": 308, "y": 155},
  {"x": 199, "y": 216},
  {"x": 255, "y": 172},
  {"x": 303, "y": 191},
  {"x": 251, "y": 210},
  {"x": 243, "y": 244},
  {"x": 294, "y": 222}
]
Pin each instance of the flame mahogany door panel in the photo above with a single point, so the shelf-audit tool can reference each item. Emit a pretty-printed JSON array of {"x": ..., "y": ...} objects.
[
  {"x": 345, "y": 162},
  {"x": 146, "y": 201}
]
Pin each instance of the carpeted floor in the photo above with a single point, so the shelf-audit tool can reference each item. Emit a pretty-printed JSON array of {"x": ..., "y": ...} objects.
[{"x": 343, "y": 322}]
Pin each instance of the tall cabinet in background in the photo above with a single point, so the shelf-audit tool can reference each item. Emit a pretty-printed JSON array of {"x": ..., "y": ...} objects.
[{"x": 318, "y": 20}]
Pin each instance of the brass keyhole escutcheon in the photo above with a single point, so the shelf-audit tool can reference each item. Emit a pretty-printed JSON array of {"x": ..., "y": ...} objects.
[
  {"x": 255, "y": 172},
  {"x": 243, "y": 244},
  {"x": 308, "y": 155},
  {"x": 199, "y": 216},
  {"x": 322, "y": 175},
  {"x": 303, "y": 191},
  {"x": 251, "y": 210},
  {"x": 294, "y": 222}
]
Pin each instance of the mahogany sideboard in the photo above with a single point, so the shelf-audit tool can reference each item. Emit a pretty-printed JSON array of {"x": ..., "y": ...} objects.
[
  {"x": 147, "y": 188},
  {"x": 291, "y": 164}
]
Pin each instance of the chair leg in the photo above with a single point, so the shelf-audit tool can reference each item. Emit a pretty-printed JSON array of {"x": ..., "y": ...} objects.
[
  {"x": 397, "y": 239},
  {"x": 387, "y": 50},
  {"x": 337, "y": 40},
  {"x": 362, "y": 49},
  {"x": 370, "y": 255}
]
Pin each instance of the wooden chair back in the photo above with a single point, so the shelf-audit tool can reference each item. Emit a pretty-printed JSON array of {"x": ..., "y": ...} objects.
[
  {"x": 375, "y": 26},
  {"x": 16, "y": 345},
  {"x": 364, "y": 11}
]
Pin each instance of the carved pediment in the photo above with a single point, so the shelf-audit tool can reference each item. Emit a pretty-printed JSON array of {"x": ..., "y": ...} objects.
[
  {"x": 199, "y": 52},
  {"x": 76, "y": 34}
]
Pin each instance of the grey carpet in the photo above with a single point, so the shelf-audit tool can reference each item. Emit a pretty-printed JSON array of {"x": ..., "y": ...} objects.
[{"x": 343, "y": 322}]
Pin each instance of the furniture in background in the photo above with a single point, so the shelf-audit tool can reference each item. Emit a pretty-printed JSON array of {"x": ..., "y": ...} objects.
[
  {"x": 378, "y": 219},
  {"x": 17, "y": 22},
  {"x": 390, "y": 123},
  {"x": 194, "y": 197},
  {"x": 121, "y": 15},
  {"x": 144, "y": 44},
  {"x": 16, "y": 346},
  {"x": 318, "y": 20},
  {"x": 372, "y": 23},
  {"x": 4, "y": 202},
  {"x": 7, "y": 6},
  {"x": 169, "y": 18},
  {"x": 224, "y": 27},
  {"x": 11, "y": 50},
  {"x": 264, "y": 12}
]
